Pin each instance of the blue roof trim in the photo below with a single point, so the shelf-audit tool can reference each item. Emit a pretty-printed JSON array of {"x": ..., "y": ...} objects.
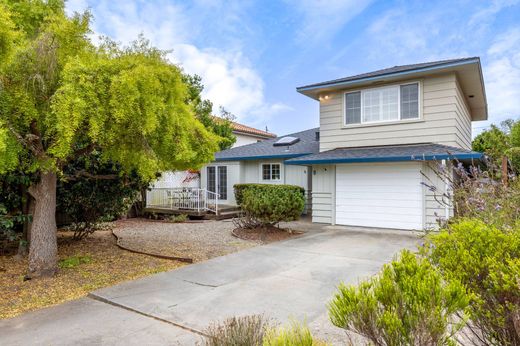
[
  {"x": 389, "y": 159},
  {"x": 366, "y": 79},
  {"x": 246, "y": 158}
]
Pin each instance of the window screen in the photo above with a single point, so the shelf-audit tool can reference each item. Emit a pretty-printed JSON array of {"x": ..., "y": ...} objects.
[
  {"x": 410, "y": 101},
  {"x": 353, "y": 108},
  {"x": 211, "y": 179}
]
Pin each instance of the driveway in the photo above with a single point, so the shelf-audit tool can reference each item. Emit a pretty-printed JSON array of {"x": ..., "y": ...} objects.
[{"x": 288, "y": 279}]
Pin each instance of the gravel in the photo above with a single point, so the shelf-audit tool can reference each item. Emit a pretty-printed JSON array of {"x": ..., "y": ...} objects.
[{"x": 197, "y": 240}]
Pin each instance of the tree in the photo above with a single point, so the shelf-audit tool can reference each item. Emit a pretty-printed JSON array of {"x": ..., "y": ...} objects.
[
  {"x": 498, "y": 142},
  {"x": 204, "y": 111},
  {"x": 63, "y": 98}
]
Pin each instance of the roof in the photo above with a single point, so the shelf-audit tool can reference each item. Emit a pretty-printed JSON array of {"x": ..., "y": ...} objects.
[
  {"x": 251, "y": 130},
  {"x": 266, "y": 150},
  {"x": 468, "y": 70},
  {"x": 390, "y": 70},
  {"x": 390, "y": 153}
]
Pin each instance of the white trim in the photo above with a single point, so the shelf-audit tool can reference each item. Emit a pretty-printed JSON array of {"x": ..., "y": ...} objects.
[
  {"x": 384, "y": 122},
  {"x": 270, "y": 171}
]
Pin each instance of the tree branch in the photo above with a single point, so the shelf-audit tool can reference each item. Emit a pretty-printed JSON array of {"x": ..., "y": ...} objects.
[{"x": 85, "y": 174}]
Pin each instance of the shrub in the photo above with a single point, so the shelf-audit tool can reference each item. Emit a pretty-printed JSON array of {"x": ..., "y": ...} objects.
[
  {"x": 476, "y": 194},
  {"x": 178, "y": 218},
  {"x": 247, "y": 330},
  {"x": 486, "y": 260},
  {"x": 240, "y": 188},
  {"x": 265, "y": 204},
  {"x": 295, "y": 334},
  {"x": 408, "y": 303}
]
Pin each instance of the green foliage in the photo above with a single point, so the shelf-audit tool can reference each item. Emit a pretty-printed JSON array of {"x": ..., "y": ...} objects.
[
  {"x": 296, "y": 334},
  {"x": 407, "y": 303},
  {"x": 62, "y": 95},
  {"x": 178, "y": 218},
  {"x": 270, "y": 204},
  {"x": 486, "y": 260},
  {"x": 204, "y": 111},
  {"x": 74, "y": 261},
  {"x": 237, "y": 331},
  {"x": 100, "y": 193},
  {"x": 240, "y": 188},
  {"x": 501, "y": 141}
]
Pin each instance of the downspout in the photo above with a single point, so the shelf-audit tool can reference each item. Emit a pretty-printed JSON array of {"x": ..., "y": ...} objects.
[{"x": 446, "y": 186}]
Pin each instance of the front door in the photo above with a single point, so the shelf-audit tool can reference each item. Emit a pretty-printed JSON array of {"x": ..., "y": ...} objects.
[{"x": 217, "y": 180}]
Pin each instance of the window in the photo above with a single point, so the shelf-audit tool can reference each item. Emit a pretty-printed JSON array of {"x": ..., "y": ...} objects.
[
  {"x": 382, "y": 104},
  {"x": 217, "y": 180},
  {"x": 271, "y": 171},
  {"x": 222, "y": 182}
]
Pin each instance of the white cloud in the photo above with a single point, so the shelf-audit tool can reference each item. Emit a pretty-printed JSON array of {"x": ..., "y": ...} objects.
[
  {"x": 229, "y": 79},
  {"x": 230, "y": 82},
  {"x": 323, "y": 18},
  {"x": 487, "y": 14},
  {"x": 502, "y": 76}
]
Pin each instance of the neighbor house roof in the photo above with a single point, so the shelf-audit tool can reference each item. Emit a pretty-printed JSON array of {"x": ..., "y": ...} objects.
[
  {"x": 468, "y": 70},
  {"x": 266, "y": 150},
  {"x": 390, "y": 153},
  {"x": 241, "y": 128}
]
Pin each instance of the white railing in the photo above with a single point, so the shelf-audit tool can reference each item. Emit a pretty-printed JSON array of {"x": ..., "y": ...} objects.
[{"x": 188, "y": 198}]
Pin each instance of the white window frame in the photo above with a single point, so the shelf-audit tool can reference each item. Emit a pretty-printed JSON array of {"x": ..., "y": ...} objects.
[
  {"x": 377, "y": 122},
  {"x": 271, "y": 164}
]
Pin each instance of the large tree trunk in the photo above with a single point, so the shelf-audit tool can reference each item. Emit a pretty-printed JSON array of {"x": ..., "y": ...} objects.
[{"x": 43, "y": 247}]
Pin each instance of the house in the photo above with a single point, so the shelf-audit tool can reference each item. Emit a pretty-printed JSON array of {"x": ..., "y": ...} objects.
[
  {"x": 191, "y": 179},
  {"x": 380, "y": 135}
]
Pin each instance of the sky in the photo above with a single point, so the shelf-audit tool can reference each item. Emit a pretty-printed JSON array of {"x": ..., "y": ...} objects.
[{"x": 252, "y": 55}]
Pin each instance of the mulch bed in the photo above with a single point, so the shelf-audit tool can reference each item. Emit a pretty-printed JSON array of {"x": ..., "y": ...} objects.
[{"x": 265, "y": 235}]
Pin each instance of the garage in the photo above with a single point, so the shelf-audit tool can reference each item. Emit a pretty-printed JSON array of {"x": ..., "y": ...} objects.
[{"x": 387, "y": 195}]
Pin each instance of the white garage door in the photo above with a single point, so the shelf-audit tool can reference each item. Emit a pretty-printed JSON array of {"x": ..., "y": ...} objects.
[{"x": 380, "y": 195}]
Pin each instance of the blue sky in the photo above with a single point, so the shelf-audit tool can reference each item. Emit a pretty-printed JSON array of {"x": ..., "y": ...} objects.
[{"x": 253, "y": 54}]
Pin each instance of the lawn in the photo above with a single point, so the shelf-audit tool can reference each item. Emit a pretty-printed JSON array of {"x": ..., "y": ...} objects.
[{"x": 85, "y": 265}]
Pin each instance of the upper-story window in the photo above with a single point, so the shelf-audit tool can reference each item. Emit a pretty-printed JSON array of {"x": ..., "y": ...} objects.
[{"x": 391, "y": 103}]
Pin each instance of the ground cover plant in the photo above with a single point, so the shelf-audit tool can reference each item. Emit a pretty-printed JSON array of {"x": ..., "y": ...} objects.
[{"x": 407, "y": 303}]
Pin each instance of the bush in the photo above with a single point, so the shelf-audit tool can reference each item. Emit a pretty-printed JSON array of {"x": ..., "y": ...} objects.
[
  {"x": 265, "y": 204},
  {"x": 247, "y": 330},
  {"x": 487, "y": 261},
  {"x": 408, "y": 303},
  {"x": 295, "y": 334},
  {"x": 240, "y": 188}
]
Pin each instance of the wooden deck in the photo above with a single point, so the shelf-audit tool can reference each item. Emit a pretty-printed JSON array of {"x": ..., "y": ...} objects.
[{"x": 224, "y": 211}]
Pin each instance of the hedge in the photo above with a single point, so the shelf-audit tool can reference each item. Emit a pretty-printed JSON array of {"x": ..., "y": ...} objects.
[
  {"x": 240, "y": 188},
  {"x": 267, "y": 204}
]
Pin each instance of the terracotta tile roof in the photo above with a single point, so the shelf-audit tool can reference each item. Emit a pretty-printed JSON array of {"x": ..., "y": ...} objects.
[{"x": 251, "y": 130}]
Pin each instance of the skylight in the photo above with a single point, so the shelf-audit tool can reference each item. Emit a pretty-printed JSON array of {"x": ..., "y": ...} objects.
[{"x": 286, "y": 141}]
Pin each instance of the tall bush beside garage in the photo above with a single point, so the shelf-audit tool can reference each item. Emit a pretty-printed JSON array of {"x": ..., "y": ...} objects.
[{"x": 267, "y": 204}]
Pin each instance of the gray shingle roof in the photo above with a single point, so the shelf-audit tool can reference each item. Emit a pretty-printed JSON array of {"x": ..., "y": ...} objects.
[
  {"x": 391, "y": 70},
  {"x": 390, "y": 153},
  {"x": 265, "y": 149}
]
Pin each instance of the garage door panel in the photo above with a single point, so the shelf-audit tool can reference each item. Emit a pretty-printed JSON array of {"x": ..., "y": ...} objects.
[
  {"x": 379, "y": 223},
  {"x": 389, "y": 196},
  {"x": 380, "y": 210}
]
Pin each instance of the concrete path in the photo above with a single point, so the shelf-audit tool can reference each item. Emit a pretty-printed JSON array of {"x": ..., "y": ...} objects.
[{"x": 289, "y": 279}]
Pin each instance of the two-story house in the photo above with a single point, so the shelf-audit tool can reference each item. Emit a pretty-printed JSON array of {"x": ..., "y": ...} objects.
[{"x": 379, "y": 134}]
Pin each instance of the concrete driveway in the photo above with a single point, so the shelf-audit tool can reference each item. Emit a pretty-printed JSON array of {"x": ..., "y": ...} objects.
[{"x": 289, "y": 279}]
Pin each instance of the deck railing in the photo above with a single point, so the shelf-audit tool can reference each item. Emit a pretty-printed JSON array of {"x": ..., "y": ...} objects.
[{"x": 187, "y": 198}]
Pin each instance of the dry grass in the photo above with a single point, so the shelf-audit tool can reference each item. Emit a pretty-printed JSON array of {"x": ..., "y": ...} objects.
[{"x": 101, "y": 263}]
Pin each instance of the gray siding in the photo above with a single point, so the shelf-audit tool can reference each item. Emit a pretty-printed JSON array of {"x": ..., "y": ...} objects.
[
  {"x": 445, "y": 120},
  {"x": 323, "y": 193}
]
